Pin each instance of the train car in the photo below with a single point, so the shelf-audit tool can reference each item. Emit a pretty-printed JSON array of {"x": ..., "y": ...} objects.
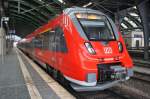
[{"x": 84, "y": 46}]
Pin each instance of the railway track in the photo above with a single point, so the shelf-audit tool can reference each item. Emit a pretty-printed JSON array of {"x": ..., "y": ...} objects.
[
  {"x": 117, "y": 92},
  {"x": 141, "y": 64},
  {"x": 106, "y": 94},
  {"x": 137, "y": 54},
  {"x": 141, "y": 77}
]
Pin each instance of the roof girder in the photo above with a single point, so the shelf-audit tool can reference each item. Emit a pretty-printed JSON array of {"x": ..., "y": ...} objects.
[
  {"x": 24, "y": 7},
  {"x": 22, "y": 20},
  {"x": 16, "y": 17},
  {"x": 23, "y": 15},
  {"x": 134, "y": 20},
  {"x": 49, "y": 7},
  {"x": 31, "y": 6},
  {"x": 28, "y": 15},
  {"x": 31, "y": 14},
  {"x": 127, "y": 24},
  {"x": 61, "y": 4}
]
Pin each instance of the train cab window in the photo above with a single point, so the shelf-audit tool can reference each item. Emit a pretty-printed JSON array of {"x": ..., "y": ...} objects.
[
  {"x": 96, "y": 27},
  {"x": 60, "y": 41}
]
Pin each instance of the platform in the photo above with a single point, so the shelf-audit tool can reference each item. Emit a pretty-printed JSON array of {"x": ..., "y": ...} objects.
[{"x": 21, "y": 78}]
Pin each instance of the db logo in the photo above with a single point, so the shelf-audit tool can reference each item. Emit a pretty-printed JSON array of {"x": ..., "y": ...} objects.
[{"x": 107, "y": 50}]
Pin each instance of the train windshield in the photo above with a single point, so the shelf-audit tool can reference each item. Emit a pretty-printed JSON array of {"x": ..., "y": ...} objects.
[{"x": 96, "y": 27}]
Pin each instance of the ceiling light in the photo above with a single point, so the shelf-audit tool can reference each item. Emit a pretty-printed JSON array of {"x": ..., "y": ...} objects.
[
  {"x": 134, "y": 14},
  {"x": 61, "y": 1},
  {"x": 134, "y": 7},
  {"x": 41, "y": 1},
  {"x": 124, "y": 26},
  {"x": 88, "y": 4},
  {"x": 130, "y": 21}
]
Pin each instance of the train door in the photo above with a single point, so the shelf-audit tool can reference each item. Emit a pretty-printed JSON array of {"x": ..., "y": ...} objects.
[
  {"x": 60, "y": 48},
  {"x": 54, "y": 58}
]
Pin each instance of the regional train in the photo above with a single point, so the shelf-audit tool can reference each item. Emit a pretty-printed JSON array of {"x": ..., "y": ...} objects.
[{"x": 84, "y": 46}]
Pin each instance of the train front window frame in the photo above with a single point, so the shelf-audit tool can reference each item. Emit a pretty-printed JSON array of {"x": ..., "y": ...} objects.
[{"x": 95, "y": 19}]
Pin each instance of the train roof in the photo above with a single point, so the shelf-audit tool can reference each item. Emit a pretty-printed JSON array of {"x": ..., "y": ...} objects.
[{"x": 68, "y": 11}]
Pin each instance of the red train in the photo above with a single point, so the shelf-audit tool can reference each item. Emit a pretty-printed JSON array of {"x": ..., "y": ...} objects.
[{"x": 84, "y": 46}]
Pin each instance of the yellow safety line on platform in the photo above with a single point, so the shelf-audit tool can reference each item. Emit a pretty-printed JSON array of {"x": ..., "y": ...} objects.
[
  {"x": 58, "y": 89},
  {"x": 33, "y": 91}
]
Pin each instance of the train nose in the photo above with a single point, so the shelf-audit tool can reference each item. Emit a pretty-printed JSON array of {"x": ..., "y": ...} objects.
[
  {"x": 111, "y": 48},
  {"x": 108, "y": 50}
]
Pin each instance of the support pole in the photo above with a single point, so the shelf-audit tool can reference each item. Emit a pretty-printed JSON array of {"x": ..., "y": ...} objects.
[
  {"x": 19, "y": 1},
  {"x": 3, "y": 38},
  {"x": 2, "y": 49},
  {"x": 2, "y": 46},
  {"x": 143, "y": 9}
]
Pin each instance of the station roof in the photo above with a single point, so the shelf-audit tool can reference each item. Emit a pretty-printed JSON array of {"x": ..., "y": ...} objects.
[{"x": 38, "y": 12}]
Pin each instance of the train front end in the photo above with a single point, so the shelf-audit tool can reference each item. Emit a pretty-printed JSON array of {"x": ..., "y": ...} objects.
[{"x": 104, "y": 58}]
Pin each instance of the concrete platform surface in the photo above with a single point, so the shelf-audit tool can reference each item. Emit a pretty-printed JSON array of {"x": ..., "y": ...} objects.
[{"x": 21, "y": 78}]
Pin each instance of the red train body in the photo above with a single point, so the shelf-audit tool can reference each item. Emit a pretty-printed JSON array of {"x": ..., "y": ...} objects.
[{"x": 85, "y": 46}]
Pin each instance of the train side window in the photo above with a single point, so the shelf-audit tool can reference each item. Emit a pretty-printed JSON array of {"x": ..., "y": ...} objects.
[
  {"x": 51, "y": 40},
  {"x": 61, "y": 45},
  {"x": 46, "y": 40},
  {"x": 32, "y": 43},
  {"x": 38, "y": 41}
]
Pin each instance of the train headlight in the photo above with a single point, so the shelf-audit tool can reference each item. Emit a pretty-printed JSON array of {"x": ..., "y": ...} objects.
[
  {"x": 90, "y": 48},
  {"x": 120, "y": 47}
]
